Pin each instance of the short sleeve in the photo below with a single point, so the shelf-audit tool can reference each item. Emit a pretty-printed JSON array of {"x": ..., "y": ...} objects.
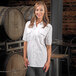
[
  {"x": 25, "y": 31},
  {"x": 48, "y": 39}
]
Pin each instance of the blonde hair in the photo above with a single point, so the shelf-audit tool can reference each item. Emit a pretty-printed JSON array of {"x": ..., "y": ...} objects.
[{"x": 45, "y": 17}]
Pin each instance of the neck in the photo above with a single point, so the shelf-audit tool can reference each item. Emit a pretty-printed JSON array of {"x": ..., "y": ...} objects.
[{"x": 39, "y": 20}]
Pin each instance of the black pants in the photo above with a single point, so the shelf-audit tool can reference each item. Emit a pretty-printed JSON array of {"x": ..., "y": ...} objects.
[{"x": 35, "y": 71}]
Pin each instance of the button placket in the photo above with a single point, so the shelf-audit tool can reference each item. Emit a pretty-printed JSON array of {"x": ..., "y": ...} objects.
[{"x": 33, "y": 53}]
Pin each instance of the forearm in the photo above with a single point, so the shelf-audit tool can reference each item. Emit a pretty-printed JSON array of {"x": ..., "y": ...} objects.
[
  {"x": 25, "y": 50},
  {"x": 48, "y": 53}
]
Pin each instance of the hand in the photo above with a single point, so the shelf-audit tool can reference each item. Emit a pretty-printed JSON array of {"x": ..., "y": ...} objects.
[
  {"x": 26, "y": 62},
  {"x": 46, "y": 66}
]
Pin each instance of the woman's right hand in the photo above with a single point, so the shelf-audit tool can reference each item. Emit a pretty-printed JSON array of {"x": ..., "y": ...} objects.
[{"x": 26, "y": 62}]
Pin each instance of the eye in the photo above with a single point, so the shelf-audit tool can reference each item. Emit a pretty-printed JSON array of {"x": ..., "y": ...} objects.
[
  {"x": 41, "y": 9},
  {"x": 36, "y": 9}
]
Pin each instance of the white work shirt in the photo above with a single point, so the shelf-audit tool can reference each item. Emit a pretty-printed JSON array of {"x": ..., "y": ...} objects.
[{"x": 37, "y": 38}]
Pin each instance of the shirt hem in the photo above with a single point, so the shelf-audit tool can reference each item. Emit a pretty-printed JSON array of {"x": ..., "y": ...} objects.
[{"x": 34, "y": 66}]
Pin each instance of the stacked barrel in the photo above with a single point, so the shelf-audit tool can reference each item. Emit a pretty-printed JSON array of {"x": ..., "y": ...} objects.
[{"x": 12, "y": 23}]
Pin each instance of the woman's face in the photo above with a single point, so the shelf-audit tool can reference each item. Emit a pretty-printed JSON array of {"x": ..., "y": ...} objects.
[{"x": 39, "y": 11}]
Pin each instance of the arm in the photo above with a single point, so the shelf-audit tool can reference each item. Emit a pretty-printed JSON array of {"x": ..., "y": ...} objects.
[
  {"x": 25, "y": 50},
  {"x": 48, "y": 53},
  {"x": 25, "y": 54},
  {"x": 47, "y": 64},
  {"x": 25, "y": 44},
  {"x": 48, "y": 41}
]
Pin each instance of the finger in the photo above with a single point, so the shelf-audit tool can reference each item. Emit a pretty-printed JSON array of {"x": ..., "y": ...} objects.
[
  {"x": 28, "y": 62},
  {"x": 25, "y": 65},
  {"x": 46, "y": 69}
]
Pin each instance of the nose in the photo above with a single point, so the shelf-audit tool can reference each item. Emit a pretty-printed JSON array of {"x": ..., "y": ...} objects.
[{"x": 39, "y": 11}]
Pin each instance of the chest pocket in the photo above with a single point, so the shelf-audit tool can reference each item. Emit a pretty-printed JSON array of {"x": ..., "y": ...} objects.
[
  {"x": 43, "y": 32},
  {"x": 29, "y": 34},
  {"x": 42, "y": 35}
]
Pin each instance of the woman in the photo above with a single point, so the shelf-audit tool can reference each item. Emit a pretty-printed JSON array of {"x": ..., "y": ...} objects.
[{"x": 37, "y": 42}]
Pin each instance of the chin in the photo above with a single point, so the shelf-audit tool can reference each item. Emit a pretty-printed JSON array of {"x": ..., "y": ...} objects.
[{"x": 39, "y": 17}]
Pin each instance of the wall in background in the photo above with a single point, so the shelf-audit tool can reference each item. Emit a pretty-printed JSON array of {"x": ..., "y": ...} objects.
[{"x": 69, "y": 17}]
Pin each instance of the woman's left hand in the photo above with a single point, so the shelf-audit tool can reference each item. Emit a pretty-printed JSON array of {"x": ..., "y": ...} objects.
[{"x": 46, "y": 66}]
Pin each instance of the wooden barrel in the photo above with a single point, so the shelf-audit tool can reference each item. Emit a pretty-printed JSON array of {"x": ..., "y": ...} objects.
[
  {"x": 2, "y": 11},
  {"x": 13, "y": 23},
  {"x": 15, "y": 65},
  {"x": 28, "y": 12},
  {"x": 3, "y": 35},
  {"x": 19, "y": 7}
]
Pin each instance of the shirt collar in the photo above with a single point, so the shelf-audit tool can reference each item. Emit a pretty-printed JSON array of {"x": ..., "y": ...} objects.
[{"x": 39, "y": 25}]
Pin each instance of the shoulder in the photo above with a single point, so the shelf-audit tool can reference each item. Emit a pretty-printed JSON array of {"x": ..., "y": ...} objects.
[
  {"x": 49, "y": 26},
  {"x": 27, "y": 23}
]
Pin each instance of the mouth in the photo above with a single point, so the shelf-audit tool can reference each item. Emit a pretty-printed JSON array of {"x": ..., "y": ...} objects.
[{"x": 39, "y": 15}]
